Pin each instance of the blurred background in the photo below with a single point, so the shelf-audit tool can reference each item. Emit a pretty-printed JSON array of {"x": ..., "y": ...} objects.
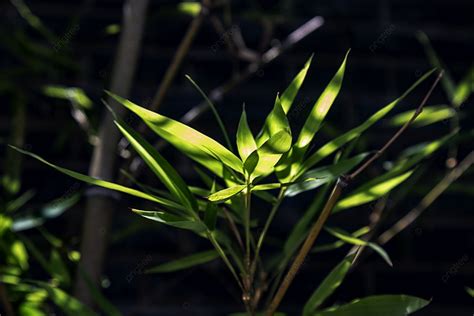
[{"x": 57, "y": 57}]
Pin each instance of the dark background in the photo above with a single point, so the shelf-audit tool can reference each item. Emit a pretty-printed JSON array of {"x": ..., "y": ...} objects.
[{"x": 422, "y": 254}]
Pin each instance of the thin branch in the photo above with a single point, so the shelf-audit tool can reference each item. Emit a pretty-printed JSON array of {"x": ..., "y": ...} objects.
[
  {"x": 218, "y": 93},
  {"x": 382, "y": 150},
  {"x": 409, "y": 218},
  {"x": 178, "y": 59},
  {"x": 342, "y": 182}
]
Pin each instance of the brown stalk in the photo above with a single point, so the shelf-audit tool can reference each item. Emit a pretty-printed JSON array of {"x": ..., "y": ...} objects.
[{"x": 342, "y": 182}]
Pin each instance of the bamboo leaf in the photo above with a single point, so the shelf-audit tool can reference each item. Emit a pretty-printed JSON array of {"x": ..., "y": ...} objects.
[
  {"x": 339, "y": 141},
  {"x": 226, "y": 194},
  {"x": 324, "y": 175},
  {"x": 74, "y": 95},
  {"x": 192, "y": 143},
  {"x": 464, "y": 88},
  {"x": 430, "y": 115},
  {"x": 173, "y": 220},
  {"x": 186, "y": 262},
  {"x": 288, "y": 96},
  {"x": 211, "y": 210},
  {"x": 160, "y": 167},
  {"x": 393, "y": 305},
  {"x": 371, "y": 191},
  {"x": 105, "y": 184},
  {"x": 271, "y": 152},
  {"x": 245, "y": 140},
  {"x": 275, "y": 122},
  {"x": 332, "y": 281},
  {"x": 353, "y": 240},
  {"x": 320, "y": 109}
]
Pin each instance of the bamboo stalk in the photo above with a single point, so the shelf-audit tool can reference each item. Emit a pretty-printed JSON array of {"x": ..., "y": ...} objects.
[{"x": 331, "y": 202}]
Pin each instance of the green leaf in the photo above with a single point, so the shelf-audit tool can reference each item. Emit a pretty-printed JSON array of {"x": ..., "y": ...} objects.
[
  {"x": 390, "y": 305},
  {"x": 339, "y": 141},
  {"x": 186, "y": 262},
  {"x": 105, "y": 184},
  {"x": 173, "y": 220},
  {"x": 288, "y": 96},
  {"x": 19, "y": 202},
  {"x": 324, "y": 175},
  {"x": 371, "y": 191},
  {"x": 275, "y": 122},
  {"x": 339, "y": 243},
  {"x": 226, "y": 194},
  {"x": 470, "y": 291},
  {"x": 189, "y": 8},
  {"x": 74, "y": 95},
  {"x": 20, "y": 254},
  {"x": 332, "y": 281},
  {"x": 68, "y": 304},
  {"x": 430, "y": 115},
  {"x": 271, "y": 152},
  {"x": 56, "y": 264},
  {"x": 464, "y": 88},
  {"x": 320, "y": 110},
  {"x": 350, "y": 239},
  {"x": 245, "y": 140},
  {"x": 192, "y": 143},
  {"x": 446, "y": 81},
  {"x": 160, "y": 167},
  {"x": 49, "y": 211}
]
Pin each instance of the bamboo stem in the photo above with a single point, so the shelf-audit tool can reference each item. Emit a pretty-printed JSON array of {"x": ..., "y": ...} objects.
[{"x": 331, "y": 202}]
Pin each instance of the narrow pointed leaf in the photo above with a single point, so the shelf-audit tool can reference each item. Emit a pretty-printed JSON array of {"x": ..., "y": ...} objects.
[
  {"x": 332, "y": 281},
  {"x": 105, "y": 184},
  {"x": 275, "y": 122},
  {"x": 245, "y": 140},
  {"x": 353, "y": 240},
  {"x": 390, "y": 305},
  {"x": 160, "y": 167},
  {"x": 430, "y": 115},
  {"x": 320, "y": 109},
  {"x": 324, "y": 175},
  {"x": 288, "y": 96},
  {"x": 464, "y": 88},
  {"x": 336, "y": 143},
  {"x": 371, "y": 191},
  {"x": 194, "y": 144},
  {"x": 186, "y": 262},
  {"x": 173, "y": 220},
  {"x": 271, "y": 152},
  {"x": 226, "y": 194}
]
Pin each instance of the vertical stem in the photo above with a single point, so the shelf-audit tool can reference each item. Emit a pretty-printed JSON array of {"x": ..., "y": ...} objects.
[
  {"x": 313, "y": 234},
  {"x": 100, "y": 206}
]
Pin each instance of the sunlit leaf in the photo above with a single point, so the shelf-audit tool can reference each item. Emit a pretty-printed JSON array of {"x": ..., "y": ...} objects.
[
  {"x": 464, "y": 88},
  {"x": 189, "y": 8},
  {"x": 226, "y": 194},
  {"x": 470, "y": 291},
  {"x": 430, "y": 115},
  {"x": 339, "y": 141},
  {"x": 194, "y": 144},
  {"x": 105, "y": 184},
  {"x": 288, "y": 96},
  {"x": 20, "y": 254},
  {"x": 68, "y": 304},
  {"x": 339, "y": 243},
  {"x": 332, "y": 281},
  {"x": 390, "y": 305},
  {"x": 186, "y": 262},
  {"x": 160, "y": 167},
  {"x": 275, "y": 122},
  {"x": 74, "y": 95},
  {"x": 245, "y": 140},
  {"x": 371, "y": 191},
  {"x": 320, "y": 109},
  {"x": 271, "y": 152}
]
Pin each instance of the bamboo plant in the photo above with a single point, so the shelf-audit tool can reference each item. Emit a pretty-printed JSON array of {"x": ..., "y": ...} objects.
[{"x": 273, "y": 165}]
